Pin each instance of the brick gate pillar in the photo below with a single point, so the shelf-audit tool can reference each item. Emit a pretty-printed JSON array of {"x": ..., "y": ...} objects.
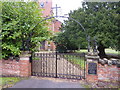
[
  {"x": 92, "y": 68},
  {"x": 25, "y": 65}
]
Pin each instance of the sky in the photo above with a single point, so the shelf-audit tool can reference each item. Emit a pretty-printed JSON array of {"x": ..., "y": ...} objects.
[{"x": 66, "y": 6}]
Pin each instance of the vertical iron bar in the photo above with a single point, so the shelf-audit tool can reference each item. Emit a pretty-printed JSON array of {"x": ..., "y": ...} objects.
[
  {"x": 67, "y": 66},
  {"x": 75, "y": 58},
  {"x": 74, "y": 65},
  {"x": 31, "y": 59},
  {"x": 46, "y": 63},
  {"x": 63, "y": 66},
  {"x": 40, "y": 63},
  {"x": 56, "y": 64},
  {"x": 80, "y": 67},
  {"x": 70, "y": 56},
  {"x": 52, "y": 63},
  {"x": 43, "y": 63},
  {"x": 37, "y": 64},
  {"x": 84, "y": 65}
]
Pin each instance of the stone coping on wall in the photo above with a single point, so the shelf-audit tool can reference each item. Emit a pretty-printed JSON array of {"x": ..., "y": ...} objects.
[
  {"x": 111, "y": 61},
  {"x": 92, "y": 56},
  {"x": 103, "y": 61}
]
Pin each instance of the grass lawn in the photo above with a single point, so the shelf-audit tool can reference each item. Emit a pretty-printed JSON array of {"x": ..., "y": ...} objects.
[
  {"x": 111, "y": 51},
  {"x": 76, "y": 60},
  {"x": 36, "y": 58},
  {"x": 107, "y": 50},
  {"x": 9, "y": 80},
  {"x": 82, "y": 51}
]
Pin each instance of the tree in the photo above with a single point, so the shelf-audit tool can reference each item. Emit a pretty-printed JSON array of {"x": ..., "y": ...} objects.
[
  {"x": 103, "y": 24},
  {"x": 0, "y": 31},
  {"x": 100, "y": 20},
  {"x": 68, "y": 39},
  {"x": 21, "y": 29}
]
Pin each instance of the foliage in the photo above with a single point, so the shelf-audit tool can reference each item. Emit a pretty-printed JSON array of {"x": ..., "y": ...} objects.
[
  {"x": 0, "y": 29},
  {"x": 69, "y": 40},
  {"x": 100, "y": 20},
  {"x": 20, "y": 23}
]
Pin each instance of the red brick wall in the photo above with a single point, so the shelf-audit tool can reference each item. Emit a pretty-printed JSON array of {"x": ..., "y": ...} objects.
[
  {"x": 108, "y": 73},
  {"x": 9, "y": 67},
  {"x": 105, "y": 72},
  {"x": 15, "y": 68}
]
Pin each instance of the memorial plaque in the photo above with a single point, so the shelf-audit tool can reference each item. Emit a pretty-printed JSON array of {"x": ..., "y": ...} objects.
[{"x": 92, "y": 68}]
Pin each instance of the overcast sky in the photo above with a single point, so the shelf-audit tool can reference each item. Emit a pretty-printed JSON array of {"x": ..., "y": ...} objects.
[{"x": 66, "y": 5}]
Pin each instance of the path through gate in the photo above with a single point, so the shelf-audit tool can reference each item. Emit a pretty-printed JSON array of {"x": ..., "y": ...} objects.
[{"x": 59, "y": 65}]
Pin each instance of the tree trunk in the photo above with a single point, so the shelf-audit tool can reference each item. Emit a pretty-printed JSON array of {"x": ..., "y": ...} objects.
[{"x": 101, "y": 50}]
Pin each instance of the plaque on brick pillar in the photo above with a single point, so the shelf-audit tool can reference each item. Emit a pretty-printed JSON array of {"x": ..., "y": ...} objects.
[{"x": 92, "y": 68}]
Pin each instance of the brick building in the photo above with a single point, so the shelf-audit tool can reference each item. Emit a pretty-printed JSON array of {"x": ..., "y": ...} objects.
[{"x": 54, "y": 26}]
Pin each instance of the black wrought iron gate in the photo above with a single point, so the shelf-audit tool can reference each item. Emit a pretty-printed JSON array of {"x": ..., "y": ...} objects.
[{"x": 61, "y": 65}]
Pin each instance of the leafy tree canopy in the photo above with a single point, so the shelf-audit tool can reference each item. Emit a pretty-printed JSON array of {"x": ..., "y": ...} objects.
[
  {"x": 100, "y": 20},
  {"x": 21, "y": 29}
]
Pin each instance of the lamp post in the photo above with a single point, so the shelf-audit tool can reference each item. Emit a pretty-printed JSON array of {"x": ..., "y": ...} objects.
[
  {"x": 94, "y": 45},
  {"x": 88, "y": 39}
]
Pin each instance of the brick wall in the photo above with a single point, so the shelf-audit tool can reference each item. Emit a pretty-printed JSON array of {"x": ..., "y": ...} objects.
[
  {"x": 108, "y": 72},
  {"x": 15, "y": 68}
]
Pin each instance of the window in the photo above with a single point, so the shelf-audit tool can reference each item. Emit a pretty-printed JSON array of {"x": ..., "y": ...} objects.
[{"x": 42, "y": 4}]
